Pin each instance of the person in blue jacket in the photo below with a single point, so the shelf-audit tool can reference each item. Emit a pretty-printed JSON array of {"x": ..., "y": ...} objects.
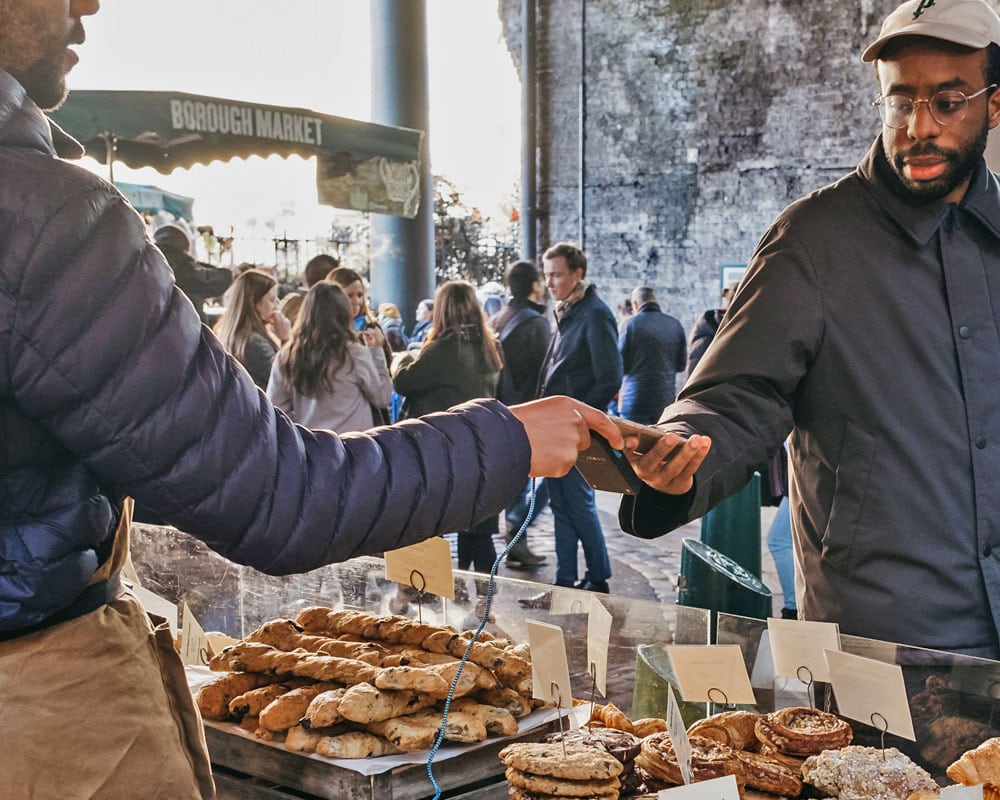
[
  {"x": 583, "y": 362},
  {"x": 112, "y": 389}
]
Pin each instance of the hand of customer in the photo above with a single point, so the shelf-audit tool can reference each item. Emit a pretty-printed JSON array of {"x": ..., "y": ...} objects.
[
  {"x": 558, "y": 428},
  {"x": 669, "y": 465},
  {"x": 280, "y": 325}
]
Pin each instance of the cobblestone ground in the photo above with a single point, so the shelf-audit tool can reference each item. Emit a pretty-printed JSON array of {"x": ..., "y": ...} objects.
[{"x": 642, "y": 568}]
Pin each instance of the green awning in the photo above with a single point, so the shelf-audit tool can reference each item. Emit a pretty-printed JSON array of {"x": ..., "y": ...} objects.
[{"x": 360, "y": 165}]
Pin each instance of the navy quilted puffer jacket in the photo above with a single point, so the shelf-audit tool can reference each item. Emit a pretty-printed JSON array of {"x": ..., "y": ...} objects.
[{"x": 110, "y": 387}]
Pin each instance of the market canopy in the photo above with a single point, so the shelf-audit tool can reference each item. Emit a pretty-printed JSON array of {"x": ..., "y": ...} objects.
[
  {"x": 154, "y": 199},
  {"x": 360, "y": 165}
]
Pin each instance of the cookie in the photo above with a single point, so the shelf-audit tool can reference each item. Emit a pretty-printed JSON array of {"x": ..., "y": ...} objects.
[
  {"x": 517, "y": 793},
  {"x": 561, "y": 787},
  {"x": 576, "y": 762},
  {"x": 620, "y": 744}
]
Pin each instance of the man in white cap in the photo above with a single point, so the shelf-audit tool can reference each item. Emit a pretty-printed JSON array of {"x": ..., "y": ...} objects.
[{"x": 868, "y": 327}]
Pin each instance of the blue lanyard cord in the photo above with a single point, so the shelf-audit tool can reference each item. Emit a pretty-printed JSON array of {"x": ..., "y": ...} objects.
[{"x": 475, "y": 638}]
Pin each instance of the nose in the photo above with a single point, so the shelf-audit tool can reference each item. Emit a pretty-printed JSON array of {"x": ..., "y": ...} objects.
[
  {"x": 922, "y": 124},
  {"x": 84, "y": 8}
]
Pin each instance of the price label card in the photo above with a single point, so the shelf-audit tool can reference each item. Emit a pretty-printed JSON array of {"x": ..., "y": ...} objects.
[
  {"x": 598, "y": 635},
  {"x": 796, "y": 645},
  {"x": 425, "y": 566},
  {"x": 195, "y": 647},
  {"x": 217, "y": 642},
  {"x": 962, "y": 792},
  {"x": 677, "y": 732},
  {"x": 715, "y": 789},
  {"x": 160, "y": 606},
  {"x": 870, "y": 692},
  {"x": 711, "y": 673},
  {"x": 549, "y": 666}
]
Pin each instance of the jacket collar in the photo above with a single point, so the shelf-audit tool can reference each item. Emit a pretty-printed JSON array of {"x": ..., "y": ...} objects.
[
  {"x": 920, "y": 221},
  {"x": 652, "y": 305},
  {"x": 22, "y": 123}
]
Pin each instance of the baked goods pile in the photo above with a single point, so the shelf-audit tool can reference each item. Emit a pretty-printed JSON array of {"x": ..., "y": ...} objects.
[
  {"x": 866, "y": 773},
  {"x": 545, "y": 771},
  {"x": 350, "y": 684}
]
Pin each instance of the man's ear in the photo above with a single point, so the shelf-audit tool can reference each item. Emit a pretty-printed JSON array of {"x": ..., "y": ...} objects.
[{"x": 993, "y": 109}]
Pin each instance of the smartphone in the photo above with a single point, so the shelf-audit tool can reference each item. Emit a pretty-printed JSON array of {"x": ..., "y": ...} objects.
[
  {"x": 360, "y": 323},
  {"x": 608, "y": 469}
]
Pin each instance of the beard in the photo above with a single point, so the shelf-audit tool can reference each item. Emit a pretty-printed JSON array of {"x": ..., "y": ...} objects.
[
  {"x": 45, "y": 82},
  {"x": 961, "y": 164}
]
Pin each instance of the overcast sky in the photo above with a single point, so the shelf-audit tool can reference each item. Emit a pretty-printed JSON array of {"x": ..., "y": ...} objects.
[{"x": 313, "y": 54}]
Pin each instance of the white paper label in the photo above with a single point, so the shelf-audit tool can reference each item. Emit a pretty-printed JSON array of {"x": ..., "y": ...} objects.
[
  {"x": 798, "y": 648},
  {"x": 870, "y": 692},
  {"x": 425, "y": 566},
  {"x": 715, "y": 789},
  {"x": 195, "y": 647},
  {"x": 598, "y": 635},
  {"x": 155, "y": 604},
  {"x": 549, "y": 666},
  {"x": 711, "y": 673},
  {"x": 962, "y": 792},
  {"x": 677, "y": 732}
]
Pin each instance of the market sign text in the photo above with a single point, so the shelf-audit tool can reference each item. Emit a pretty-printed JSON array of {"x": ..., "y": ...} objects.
[{"x": 240, "y": 120}]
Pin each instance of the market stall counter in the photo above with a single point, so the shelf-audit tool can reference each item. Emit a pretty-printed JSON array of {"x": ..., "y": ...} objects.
[{"x": 240, "y": 603}]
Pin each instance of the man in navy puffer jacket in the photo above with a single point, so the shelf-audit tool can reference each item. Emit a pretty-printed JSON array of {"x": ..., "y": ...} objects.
[{"x": 110, "y": 388}]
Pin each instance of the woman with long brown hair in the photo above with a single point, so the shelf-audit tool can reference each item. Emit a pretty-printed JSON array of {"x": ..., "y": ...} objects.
[
  {"x": 459, "y": 360},
  {"x": 251, "y": 328},
  {"x": 325, "y": 377}
]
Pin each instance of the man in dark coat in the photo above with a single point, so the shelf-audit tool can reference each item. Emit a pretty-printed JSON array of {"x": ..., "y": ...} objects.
[
  {"x": 199, "y": 281},
  {"x": 111, "y": 389},
  {"x": 582, "y": 361},
  {"x": 653, "y": 352},
  {"x": 524, "y": 335}
]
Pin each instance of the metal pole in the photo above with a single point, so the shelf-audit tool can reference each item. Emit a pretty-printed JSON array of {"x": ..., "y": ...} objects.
[
  {"x": 402, "y": 264},
  {"x": 529, "y": 187},
  {"x": 582, "y": 199}
]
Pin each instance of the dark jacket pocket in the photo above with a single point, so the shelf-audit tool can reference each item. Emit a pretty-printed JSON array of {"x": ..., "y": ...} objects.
[{"x": 847, "y": 512}]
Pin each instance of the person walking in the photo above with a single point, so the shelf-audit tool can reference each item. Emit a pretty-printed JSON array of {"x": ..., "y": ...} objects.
[
  {"x": 582, "y": 361},
  {"x": 895, "y": 429},
  {"x": 653, "y": 350},
  {"x": 459, "y": 360},
  {"x": 524, "y": 335},
  {"x": 112, "y": 389},
  {"x": 197, "y": 280}
]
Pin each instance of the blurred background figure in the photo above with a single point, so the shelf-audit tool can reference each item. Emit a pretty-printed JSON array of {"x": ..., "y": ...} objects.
[
  {"x": 653, "y": 349},
  {"x": 324, "y": 377},
  {"x": 317, "y": 268},
  {"x": 364, "y": 321},
  {"x": 425, "y": 310},
  {"x": 459, "y": 360},
  {"x": 197, "y": 280},
  {"x": 704, "y": 329},
  {"x": 290, "y": 305},
  {"x": 251, "y": 328},
  {"x": 392, "y": 324},
  {"x": 524, "y": 334}
]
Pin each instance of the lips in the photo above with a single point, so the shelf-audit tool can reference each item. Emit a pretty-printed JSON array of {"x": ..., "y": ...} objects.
[{"x": 925, "y": 168}]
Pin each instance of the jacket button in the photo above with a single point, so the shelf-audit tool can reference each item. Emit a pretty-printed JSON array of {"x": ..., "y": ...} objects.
[
  {"x": 981, "y": 442},
  {"x": 986, "y": 551},
  {"x": 964, "y": 331}
]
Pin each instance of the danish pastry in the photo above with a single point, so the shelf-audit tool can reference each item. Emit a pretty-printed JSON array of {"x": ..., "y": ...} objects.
[{"x": 802, "y": 731}]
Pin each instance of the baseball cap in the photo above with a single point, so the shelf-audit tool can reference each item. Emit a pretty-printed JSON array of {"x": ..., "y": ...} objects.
[{"x": 972, "y": 23}]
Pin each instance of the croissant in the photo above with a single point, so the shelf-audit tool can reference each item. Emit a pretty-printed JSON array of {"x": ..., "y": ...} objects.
[{"x": 981, "y": 765}]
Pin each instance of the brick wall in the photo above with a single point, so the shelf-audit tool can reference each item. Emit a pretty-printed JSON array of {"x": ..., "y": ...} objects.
[{"x": 702, "y": 119}]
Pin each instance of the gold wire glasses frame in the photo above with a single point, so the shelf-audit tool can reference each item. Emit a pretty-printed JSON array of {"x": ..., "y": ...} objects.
[{"x": 947, "y": 108}]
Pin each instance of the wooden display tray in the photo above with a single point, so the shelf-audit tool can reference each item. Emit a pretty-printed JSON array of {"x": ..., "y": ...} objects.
[{"x": 262, "y": 772}]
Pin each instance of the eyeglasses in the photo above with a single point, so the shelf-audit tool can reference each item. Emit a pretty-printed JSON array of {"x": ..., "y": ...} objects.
[{"x": 947, "y": 108}]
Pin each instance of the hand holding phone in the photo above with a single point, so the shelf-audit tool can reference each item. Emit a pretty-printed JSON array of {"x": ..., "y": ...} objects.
[{"x": 608, "y": 469}]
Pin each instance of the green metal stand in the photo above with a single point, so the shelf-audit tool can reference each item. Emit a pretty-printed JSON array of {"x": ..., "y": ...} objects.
[
  {"x": 714, "y": 581},
  {"x": 733, "y": 527}
]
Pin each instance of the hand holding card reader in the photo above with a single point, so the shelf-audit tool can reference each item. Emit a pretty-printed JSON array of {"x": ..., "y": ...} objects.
[{"x": 608, "y": 469}]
